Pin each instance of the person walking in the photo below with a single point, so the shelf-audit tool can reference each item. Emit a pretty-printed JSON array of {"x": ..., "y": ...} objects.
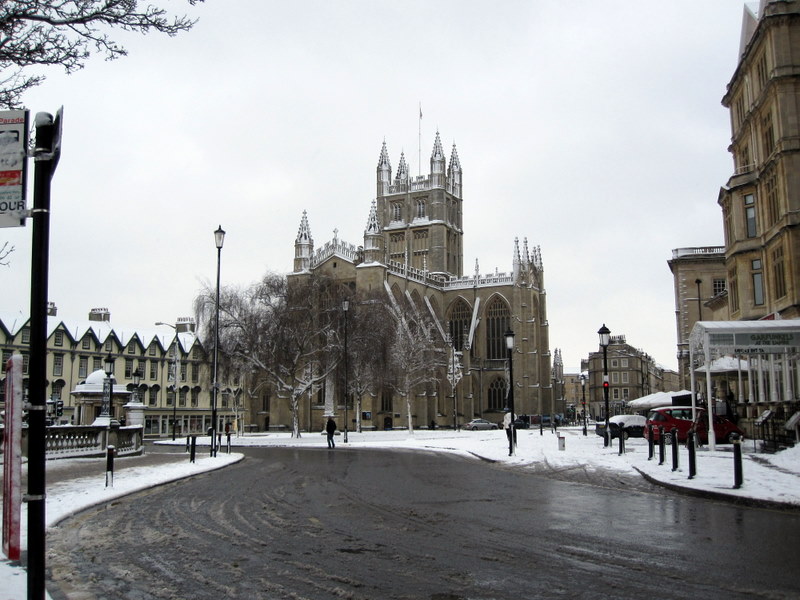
[
  {"x": 330, "y": 429},
  {"x": 507, "y": 420}
]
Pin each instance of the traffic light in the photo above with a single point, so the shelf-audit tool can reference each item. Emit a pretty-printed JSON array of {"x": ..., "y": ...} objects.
[
  {"x": 59, "y": 408},
  {"x": 605, "y": 386}
]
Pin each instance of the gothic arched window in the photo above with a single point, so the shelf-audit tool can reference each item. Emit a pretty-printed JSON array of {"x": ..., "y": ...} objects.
[
  {"x": 397, "y": 211},
  {"x": 497, "y": 394},
  {"x": 458, "y": 324},
  {"x": 420, "y": 209},
  {"x": 497, "y": 322}
]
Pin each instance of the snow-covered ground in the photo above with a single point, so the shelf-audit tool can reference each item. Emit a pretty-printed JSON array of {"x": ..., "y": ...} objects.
[{"x": 767, "y": 477}]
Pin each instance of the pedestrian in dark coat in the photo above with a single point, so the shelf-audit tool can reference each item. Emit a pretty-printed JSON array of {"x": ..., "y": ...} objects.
[{"x": 330, "y": 428}]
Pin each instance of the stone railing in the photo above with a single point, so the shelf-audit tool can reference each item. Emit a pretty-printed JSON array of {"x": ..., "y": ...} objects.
[{"x": 66, "y": 441}]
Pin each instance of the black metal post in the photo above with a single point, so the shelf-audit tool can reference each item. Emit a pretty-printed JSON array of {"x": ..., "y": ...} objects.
[
  {"x": 650, "y": 442},
  {"x": 583, "y": 400},
  {"x": 607, "y": 437},
  {"x": 674, "y": 436},
  {"x": 110, "y": 466},
  {"x": 621, "y": 440},
  {"x": 219, "y": 236},
  {"x": 662, "y": 442},
  {"x": 175, "y": 397},
  {"x": 738, "y": 478},
  {"x": 512, "y": 434},
  {"x": 193, "y": 448},
  {"x": 45, "y": 163},
  {"x": 345, "y": 306},
  {"x": 692, "y": 455}
]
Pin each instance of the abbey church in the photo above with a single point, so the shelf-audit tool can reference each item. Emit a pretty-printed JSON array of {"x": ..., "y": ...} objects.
[{"x": 412, "y": 251}]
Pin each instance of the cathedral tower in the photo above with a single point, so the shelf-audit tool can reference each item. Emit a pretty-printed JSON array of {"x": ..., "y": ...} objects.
[{"x": 421, "y": 216}]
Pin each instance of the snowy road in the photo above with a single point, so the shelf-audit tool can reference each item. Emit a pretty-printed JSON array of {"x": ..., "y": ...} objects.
[{"x": 311, "y": 523}]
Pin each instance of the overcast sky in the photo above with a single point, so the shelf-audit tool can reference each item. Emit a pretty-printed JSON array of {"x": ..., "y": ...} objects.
[{"x": 593, "y": 128}]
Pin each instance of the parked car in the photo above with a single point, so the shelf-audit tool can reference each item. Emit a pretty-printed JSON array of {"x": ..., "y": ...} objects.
[
  {"x": 628, "y": 425},
  {"x": 479, "y": 424},
  {"x": 680, "y": 417}
]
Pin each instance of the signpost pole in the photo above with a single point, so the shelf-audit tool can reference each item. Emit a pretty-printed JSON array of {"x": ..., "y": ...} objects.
[{"x": 46, "y": 154}]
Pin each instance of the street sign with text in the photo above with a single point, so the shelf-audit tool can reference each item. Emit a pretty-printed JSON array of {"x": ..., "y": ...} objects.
[{"x": 13, "y": 167}]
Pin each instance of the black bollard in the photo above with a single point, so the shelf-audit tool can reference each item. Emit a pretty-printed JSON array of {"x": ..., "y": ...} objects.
[
  {"x": 192, "y": 448},
  {"x": 661, "y": 445},
  {"x": 651, "y": 445},
  {"x": 110, "y": 466},
  {"x": 621, "y": 441},
  {"x": 187, "y": 443},
  {"x": 738, "y": 479},
  {"x": 229, "y": 442},
  {"x": 692, "y": 455},
  {"x": 674, "y": 437}
]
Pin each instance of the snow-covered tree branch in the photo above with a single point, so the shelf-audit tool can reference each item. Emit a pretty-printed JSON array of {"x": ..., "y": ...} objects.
[{"x": 40, "y": 33}]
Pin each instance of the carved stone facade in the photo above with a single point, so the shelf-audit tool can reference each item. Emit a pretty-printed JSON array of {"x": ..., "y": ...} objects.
[
  {"x": 761, "y": 201},
  {"x": 413, "y": 253}
]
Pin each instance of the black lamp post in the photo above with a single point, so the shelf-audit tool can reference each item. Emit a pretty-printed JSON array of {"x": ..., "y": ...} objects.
[
  {"x": 104, "y": 419},
  {"x": 219, "y": 239},
  {"x": 699, "y": 300},
  {"x": 509, "y": 335},
  {"x": 605, "y": 340},
  {"x": 345, "y": 306},
  {"x": 137, "y": 378},
  {"x": 583, "y": 400},
  {"x": 176, "y": 378}
]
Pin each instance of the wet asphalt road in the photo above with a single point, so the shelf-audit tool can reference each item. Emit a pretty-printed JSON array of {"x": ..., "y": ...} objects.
[{"x": 371, "y": 524}]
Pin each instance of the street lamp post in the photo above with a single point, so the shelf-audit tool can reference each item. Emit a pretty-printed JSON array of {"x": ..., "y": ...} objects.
[
  {"x": 509, "y": 335},
  {"x": 583, "y": 400},
  {"x": 219, "y": 239},
  {"x": 108, "y": 389},
  {"x": 345, "y": 306},
  {"x": 137, "y": 378},
  {"x": 176, "y": 377},
  {"x": 605, "y": 339}
]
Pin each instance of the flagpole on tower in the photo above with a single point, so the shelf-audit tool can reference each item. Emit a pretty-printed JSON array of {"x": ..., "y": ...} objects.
[{"x": 419, "y": 143}]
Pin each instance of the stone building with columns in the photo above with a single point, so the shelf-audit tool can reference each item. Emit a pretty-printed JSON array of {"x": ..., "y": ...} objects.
[{"x": 412, "y": 253}]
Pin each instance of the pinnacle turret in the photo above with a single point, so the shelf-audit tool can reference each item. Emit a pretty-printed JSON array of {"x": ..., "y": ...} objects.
[
  {"x": 304, "y": 231},
  {"x": 437, "y": 162},
  {"x": 384, "y": 174},
  {"x": 402, "y": 169},
  {"x": 373, "y": 227},
  {"x": 373, "y": 238},
  {"x": 303, "y": 246}
]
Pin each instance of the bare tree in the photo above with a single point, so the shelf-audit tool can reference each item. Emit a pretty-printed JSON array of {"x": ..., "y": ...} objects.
[
  {"x": 417, "y": 355},
  {"x": 36, "y": 33},
  {"x": 370, "y": 332},
  {"x": 285, "y": 331},
  {"x": 5, "y": 252}
]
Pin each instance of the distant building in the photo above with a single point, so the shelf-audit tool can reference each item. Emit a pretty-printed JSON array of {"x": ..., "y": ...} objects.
[
  {"x": 413, "y": 253},
  {"x": 76, "y": 349},
  {"x": 699, "y": 279},
  {"x": 632, "y": 374}
]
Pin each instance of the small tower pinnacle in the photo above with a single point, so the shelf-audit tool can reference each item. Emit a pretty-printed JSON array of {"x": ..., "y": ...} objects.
[
  {"x": 303, "y": 246},
  {"x": 373, "y": 238},
  {"x": 384, "y": 176},
  {"x": 437, "y": 163}
]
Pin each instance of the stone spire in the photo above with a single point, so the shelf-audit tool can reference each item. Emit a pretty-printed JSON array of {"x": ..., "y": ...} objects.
[
  {"x": 384, "y": 175},
  {"x": 437, "y": 163},
  {"x": 373, "y": 239},
  {"x": 516, "y": 260},
  {"x": 303, "y": 246},
  {"x": 402, "y": 170},
  {"x": 454, "y": 173}
]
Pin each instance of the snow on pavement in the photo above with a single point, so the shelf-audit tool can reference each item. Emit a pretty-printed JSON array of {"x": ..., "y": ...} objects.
[{"x": 768, "y": 478}]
